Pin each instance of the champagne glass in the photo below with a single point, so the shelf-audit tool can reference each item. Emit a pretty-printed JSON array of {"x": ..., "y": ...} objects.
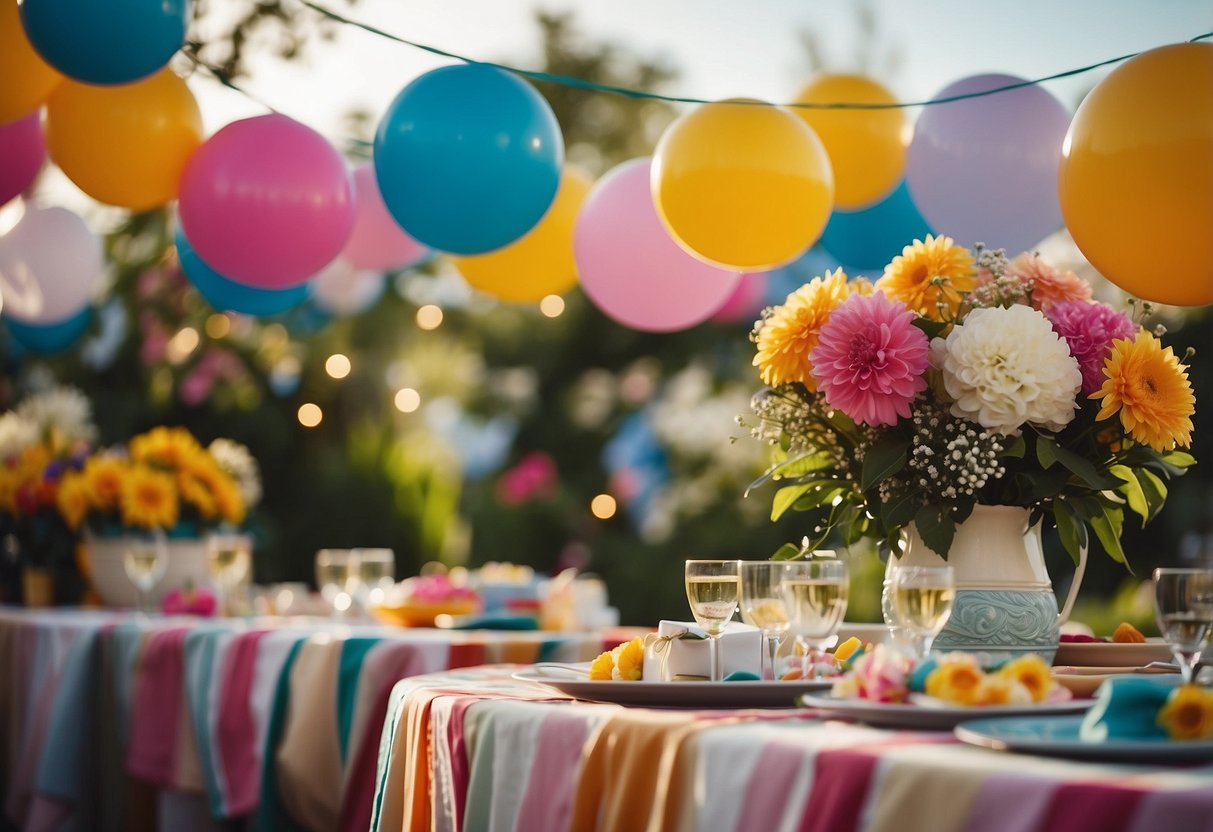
[
  {"x": 145, "y": 559},
  {"x": 376, "y": 574},
  {"x": 815, "y": 592},
  {"x": 712, "y": 593},
  {"x": 922, "y": 603},
  {"x": 229, "y": 556},
  {"x": 762, "y": 604},
  {"x": 1183, "y": 602},
  {"x": 333, "y": 578}
]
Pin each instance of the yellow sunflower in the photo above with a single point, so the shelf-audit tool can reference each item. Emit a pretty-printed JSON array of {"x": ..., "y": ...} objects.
[
  {"x": 165, "y": 446},
  {"x": 72, "y": 499},
  {"x": 629, "y": 660},
  {"x": 786, "y": 338},
  {"x": 956, "y": 679},
  {"x": 103, "y": 477},
  {"x": 149, "y": 499},
  {"x": 1031, "y": 672},
  {"x": 601, "y": 667},
  {"x": 1188, "y": 714},
  {"x": 223, "y": 493},
  {"x": 931, "y": 277},
  {"x": 1148, "y": 386}
]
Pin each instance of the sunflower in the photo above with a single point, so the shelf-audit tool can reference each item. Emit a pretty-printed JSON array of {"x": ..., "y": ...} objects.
[
  {"x": 1148, "y": 386},
  {"x": 149, "y": 499},
  {"x": 1031, "y": 672},
  {"x": 1188, "y": 714},
  {"x": 164, "y": 446},
  {"x": 72, "y": 499},
  {"x": 602, "y": 667},
  {"x": 930, "y": 277},
  {"x": 787, "y": 336},
  {"x": 629, "y": 660},
  {"x": 103, "y": 476},
  {"x": 222, "y": 497}
]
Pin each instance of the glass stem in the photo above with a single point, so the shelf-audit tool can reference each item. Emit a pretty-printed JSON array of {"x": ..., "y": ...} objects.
[
  {"x": 713, "y": 659},
  {"x": 772, "y": 649}
]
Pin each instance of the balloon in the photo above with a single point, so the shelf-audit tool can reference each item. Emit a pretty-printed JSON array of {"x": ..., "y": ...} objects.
[
  {"x": 630, "y": 267},
  {"x": 865, "y": 147},
  {"x": 742, "y": 186},
  {"x": 377, "y": 242},
  {"x": 25, "y": 79},
  {"x": 985, "y": 169},
  {"x": 468, "y": 158},
  {"x": 870, "y": 238},
  {"x": 1136, "y": 175},
  {"x": 51, "y": 337},
  {"x": 342, "y": 289},
  {"x": 114, "y": 42},
  {"x": 22, "y": 154},
  {"x": 746, "y": 301},
  {"x": 541, "y": 262},
  {"x": 50, "y": 263},
  {"x": 126, "y": 145},
  {"x": 267, "y": 202},
  {"x": 228, "y": 295}
]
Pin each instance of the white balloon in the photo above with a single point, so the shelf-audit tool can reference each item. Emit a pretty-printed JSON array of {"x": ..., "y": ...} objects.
[
  {"x": 341, "y": 289},
  {"x": 50, "y": 265}
]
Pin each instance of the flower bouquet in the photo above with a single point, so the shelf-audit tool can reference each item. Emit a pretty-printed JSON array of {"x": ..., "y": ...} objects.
[{"x": 961, "y": 378}]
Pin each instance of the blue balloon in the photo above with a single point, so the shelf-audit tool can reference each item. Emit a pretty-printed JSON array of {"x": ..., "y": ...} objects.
[
  {"x": 111, "y": 42},
  {"x": 871, "y": 237},
  {"x": 228, "y": 295},
  {"x": 468, "y": 158},
  {"x": 51, "y": 338}
]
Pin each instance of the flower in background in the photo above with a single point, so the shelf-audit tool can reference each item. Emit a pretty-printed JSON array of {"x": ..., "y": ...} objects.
[
  {"x": 1188, "y": 713},
  {"x": 149, "y": 499},
  {"x": 238, "y": 463},
  {"x": 1089, "y": 330},
  {"x": 883, "y": 675},
  {"x": 1048, "y": 284},
  {"x": 788, "y": 334},
  {"x": 533, "y": 476},
  {"x": 996, "y": 689},
  {"x": 956, "y": 679},
  {"x": 1150, "y": 390},
  {"x": 1031, "y": 672},
  {"x": 869, "y": 359},
  {"x": 930, "y": 276},
  {"x": 62, "y": 416}
]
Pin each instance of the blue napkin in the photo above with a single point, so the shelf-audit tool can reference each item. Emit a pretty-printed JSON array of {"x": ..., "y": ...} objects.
[{"x": 1126, "y": 708}]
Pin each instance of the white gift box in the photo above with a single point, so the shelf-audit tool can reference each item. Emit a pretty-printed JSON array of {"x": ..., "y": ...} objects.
[{"x": 740, "y": 649}]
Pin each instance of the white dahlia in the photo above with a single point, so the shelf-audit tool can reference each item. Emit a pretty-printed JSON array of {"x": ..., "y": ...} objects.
[{"x": 1004, "y": 367}]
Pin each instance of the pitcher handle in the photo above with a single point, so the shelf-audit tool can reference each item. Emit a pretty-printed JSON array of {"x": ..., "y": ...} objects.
[{"x": 1075, "y": 585}]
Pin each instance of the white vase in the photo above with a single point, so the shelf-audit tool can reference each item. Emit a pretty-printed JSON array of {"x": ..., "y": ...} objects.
[
  {"x": 187, "y": 564},
  {"x": 1004, "y": 605}
]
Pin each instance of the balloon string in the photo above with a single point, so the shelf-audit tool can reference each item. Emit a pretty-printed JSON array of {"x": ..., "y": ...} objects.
[{"x": 581, "y": 83}]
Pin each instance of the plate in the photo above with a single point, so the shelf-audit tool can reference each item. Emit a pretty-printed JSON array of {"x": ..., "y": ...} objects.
[
  {"x": 1057, "y": 736},
  {"x": 1111, "y": 654},
  {"x": 928, "y": 717},
  {"x": 1084, "y": 681},
  {"x": 765, "y": 694}
]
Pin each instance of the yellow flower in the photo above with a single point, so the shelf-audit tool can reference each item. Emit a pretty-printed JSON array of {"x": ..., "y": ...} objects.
[
  {"x": 1148, "y": 386},
  {"x": 103, "y": 477},
  {"x": 629, "y": 660},
  {"x": 602, "y": 667},
  {"x": 72, "y": 499},
  {"x": 786, "y": 338},
  {"x": 956, "y": 679},
  {"x": 928, "y": 274},
  {"x": 149, "y": 499},
  {"x": 10, "y": 481},
  {"x": 997, "y": 689},
  {"x": 165, "y": 447},
  {"x": 223, "y": 491},
  {"x": 1031, "y": 672},
  {"x": 1188, "y": 714}
]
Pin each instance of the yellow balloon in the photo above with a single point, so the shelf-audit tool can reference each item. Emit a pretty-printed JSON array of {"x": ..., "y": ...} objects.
[
  {"x": 742, "y": 186},
  {"x": 1136, "y": 175},
  {"x": 540, "y": 263},
  {"x": 25, "y": 79},
  {"x": 865, "y": 146},
  {"x": 124, "y": 145}
]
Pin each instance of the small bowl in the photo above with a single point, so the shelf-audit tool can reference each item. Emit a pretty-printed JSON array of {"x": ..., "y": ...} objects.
[{"x": 422, "y": 614}]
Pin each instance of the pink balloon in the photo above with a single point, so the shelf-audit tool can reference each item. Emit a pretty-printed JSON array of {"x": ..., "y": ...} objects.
[
  {"x": 267, "y": 202},
  {"x": 22, "y": 154},
  {"x": 50, "y": 264},
  {"x": 985, "y": 169},
  {"x": 631, "y": 268},
  {"x": 341, "y": 289},
  {"x": 378, "y": 243},
  {"x": 746, "y": 301}
]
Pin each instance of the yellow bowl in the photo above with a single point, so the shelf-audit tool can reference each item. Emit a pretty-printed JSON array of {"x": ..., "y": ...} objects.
[{"x": 419, "y": 614}]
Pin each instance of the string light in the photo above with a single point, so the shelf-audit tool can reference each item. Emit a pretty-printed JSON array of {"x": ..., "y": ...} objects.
[
  {"x": 603, "y": 506},
  {"x": 407, "y": 400},
  {"x": 552, "y": 306},
  {"x": 181, "y": 345},
  {"x": 337, "y": 365},
  {"x": 310, "y": 415},
  {"x": 218, "y": 326},
  {"x": 429, "y": 317}
]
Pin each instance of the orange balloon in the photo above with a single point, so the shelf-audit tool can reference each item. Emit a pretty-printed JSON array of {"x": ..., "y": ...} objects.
[
  {"x": 124, "y": 145},
  {"x": 747, "y": 187},
  {"x": 540, "y": 263},
  {"x": 25, "y": 79},
  {"x": 1136, "y": 175},
  {"x": 865, "y": 146}
]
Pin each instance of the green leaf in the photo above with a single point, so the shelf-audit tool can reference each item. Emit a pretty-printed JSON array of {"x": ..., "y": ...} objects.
[
  {"x": 1046, "y": 452},
  {"x": 1108, "y": 523},
  {"x": 900, "y": 510},
  {"x": 1131, "y": 489},
  {"x": 1017, "y": 448},
  {"x": 885, "y": 458},
  {"x": 1081, "y": 467},
  {"x": 1070, "y": 528},
  {"x": 798, "y": 466},
  {"x": 1155, "y": 491},
  {"x": 1179, "y": 459},
  {"x": 788, "y": 551},
  {"x": 822, "y": 495},
  {"x": 786, "y": 497},
  {"x": 933, "y": 329},
  {"x": 936, "y": 528}
]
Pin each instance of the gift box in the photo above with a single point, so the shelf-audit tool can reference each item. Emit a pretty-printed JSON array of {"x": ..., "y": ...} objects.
[{"x": 670, "y": 655}]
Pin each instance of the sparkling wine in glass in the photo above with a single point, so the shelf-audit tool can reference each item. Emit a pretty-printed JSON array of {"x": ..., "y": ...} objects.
[
  {"x": 815, "y": 592},
  {"x": 333, "y": 578},
  {"x": 763, "y": 606},
  {"x": 1183, "y": 601},
  {"x": 229, "y": 557},
  {"x": 712, "y": 588},
  {"x": 145, "y": 559},
  {"x": 376, "y": 574},
  {"x": 922, "y": 599}
]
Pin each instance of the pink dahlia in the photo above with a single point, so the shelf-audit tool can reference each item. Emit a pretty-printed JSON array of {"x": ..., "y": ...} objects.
[
  {"x": 1050, "y": 285},
  {"x": 1089, "y": 330},
  {"x": 869, "y": 359}
]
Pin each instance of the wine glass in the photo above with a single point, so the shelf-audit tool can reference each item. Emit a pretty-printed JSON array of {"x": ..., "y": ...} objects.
[
  {"x": 815, "y": 592},
  {"x": 376, "y": 574},
  {"x": 712, "y": 593},
  {"x": 762, "y": 604},
  {"x": 145, "y": 559},
  {"x": 922, "y": 603},
  {"x": 333, "y": 578},
  {"x": 1183, "y": 602},
  {"x": 229, "y": 556}
]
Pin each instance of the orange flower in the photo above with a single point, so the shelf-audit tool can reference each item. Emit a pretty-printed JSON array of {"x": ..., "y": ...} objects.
[
  {"x": 1188, "y": 714},
  {"x": 1150, "y": 390},
  {"x": 789, "y": 334},
  {"x": 72, "y": 499},
  {"x": 957, "y": 679},
  {"x": 602, "y": 667},
  {"x": 930, "y": 277},
  {"x": 103, "y": 476},
  {"x": 149, "y": 499},
  {"x": 1049, "y": 284},
  {"x": 1031, "y": 672}
]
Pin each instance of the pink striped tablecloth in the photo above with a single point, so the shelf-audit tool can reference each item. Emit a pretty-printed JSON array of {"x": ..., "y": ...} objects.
[
  {"x": 274, "y": 718},
  {"x": 474, "y": 749}
]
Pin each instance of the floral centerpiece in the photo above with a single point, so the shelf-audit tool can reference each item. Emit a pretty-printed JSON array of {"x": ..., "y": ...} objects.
[{"x": 962, "y": 378}]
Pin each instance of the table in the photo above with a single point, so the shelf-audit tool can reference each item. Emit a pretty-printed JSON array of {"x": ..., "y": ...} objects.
[
  {"x": 476, "y": 750},
  {"x": 109, "y": 719}
]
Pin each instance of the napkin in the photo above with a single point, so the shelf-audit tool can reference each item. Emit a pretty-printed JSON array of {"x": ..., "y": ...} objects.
[
  {"x": 1126, "y": 708},
  {"x": 740, "y": 650}
]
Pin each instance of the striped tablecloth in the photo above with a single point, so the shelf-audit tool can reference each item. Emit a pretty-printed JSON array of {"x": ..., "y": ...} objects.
[
  {"x": 476, "y": 750},
  {"x": 277, "y": 718}
]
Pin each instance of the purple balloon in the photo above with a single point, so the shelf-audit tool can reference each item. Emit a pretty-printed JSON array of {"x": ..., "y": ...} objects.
[
  {"x": 22, "y": 153},
  {"x": 985, "y": 169}
]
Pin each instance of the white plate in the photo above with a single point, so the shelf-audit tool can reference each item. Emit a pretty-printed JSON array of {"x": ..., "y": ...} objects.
[
  {"x": 1111, "y": 654},
  {"x": 764, "y": 694},
  {"x": 1057, "y": 736},
  {"x": 928, "y": 717}
]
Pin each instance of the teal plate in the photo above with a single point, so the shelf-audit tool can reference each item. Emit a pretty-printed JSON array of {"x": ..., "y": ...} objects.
[{"x": 1057, "y": 736}]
